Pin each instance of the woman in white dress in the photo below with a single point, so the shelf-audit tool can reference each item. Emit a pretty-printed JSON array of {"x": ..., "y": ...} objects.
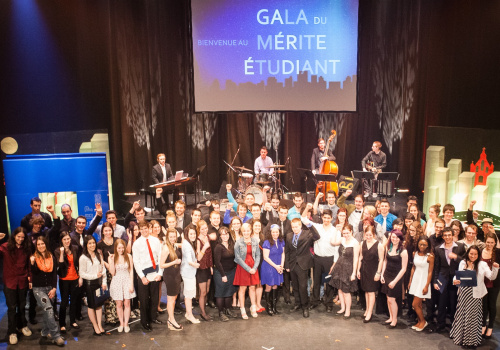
[
  {"x": 420, "y": 279},
  {"x": 122, "y": 283}
]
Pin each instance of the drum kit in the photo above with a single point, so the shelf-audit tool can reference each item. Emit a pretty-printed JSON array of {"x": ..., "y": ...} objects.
[{"x": 248, "y": 183}]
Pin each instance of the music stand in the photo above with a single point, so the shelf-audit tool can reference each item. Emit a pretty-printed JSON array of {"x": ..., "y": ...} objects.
[
  {"x": 198, "y": 184},
  {"x": 306, "y": 174},
  {"x": 363, "y": 177},
  {"x": 387, "y": 184}
]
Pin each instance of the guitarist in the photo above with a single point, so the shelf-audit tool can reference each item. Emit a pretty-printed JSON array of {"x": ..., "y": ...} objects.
[
  {"x": 318, "y": 155},
  {"x": 374, "y": 161}
]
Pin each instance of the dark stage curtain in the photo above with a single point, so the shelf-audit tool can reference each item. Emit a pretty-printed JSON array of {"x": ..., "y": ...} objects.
[{"x": 151, "y": 59}]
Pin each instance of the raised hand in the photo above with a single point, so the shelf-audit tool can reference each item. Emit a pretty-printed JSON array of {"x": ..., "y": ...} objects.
[
  {"x": 98, "y": 209},
  {"x": 50, "y": 208},
  {"x": 159, "y": 191},
  {"x": 229, "y": 187}
]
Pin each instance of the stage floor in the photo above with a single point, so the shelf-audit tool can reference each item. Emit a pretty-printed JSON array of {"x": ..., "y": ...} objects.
[{"x": 283, "y": 332}]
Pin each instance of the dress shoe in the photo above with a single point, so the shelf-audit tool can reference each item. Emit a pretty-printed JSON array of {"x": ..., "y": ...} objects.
[
  {"x": 295, "y": 308},
  {"x": 305, "y": 312},
  {"x": 147, "y": 327},
  {"x": 313, "y": 306},
  {"x": 393, "y": 326},
  {"x": 229, "y": 313},
  {"x": 206, "y": 318},
  {"x": 367, "y": 320},
  {"x": 157, "y": 321},
  {"x": 346, "y": 317},
  {"x": 329, "y": 309},
  {"x": 97, "y": 334}
]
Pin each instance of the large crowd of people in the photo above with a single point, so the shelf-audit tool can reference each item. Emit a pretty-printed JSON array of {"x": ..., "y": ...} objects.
[{"x": 335, "y": 254}]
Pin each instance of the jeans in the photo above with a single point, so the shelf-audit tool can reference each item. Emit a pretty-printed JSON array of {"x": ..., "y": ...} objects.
[
  {"x": 49, "y": 323},
  {"x": 68, "y": 289},
  {"x": 16, "y": 306}
]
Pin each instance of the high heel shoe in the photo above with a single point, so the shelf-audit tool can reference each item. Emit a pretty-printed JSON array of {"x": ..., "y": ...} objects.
[
  {"x": 97, "y": 334},
  {"x": 367, "y": 320},
  {"x": 253, "y": 311},
  {"x": 192, "y": 319},
  {"x": 172, "y": 327},
  {"x": 244, "y": 313}
]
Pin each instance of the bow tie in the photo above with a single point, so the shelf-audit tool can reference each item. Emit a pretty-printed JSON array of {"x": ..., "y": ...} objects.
[{"x": 358, "y": 211}]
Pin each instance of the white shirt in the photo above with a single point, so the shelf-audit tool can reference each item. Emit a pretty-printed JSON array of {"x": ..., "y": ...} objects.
[
  {"x": 118, "y": 231},
  {"x": 323, "y": 246},
  {"x": 483, "y": 271},
  {"x": 164, "y": 172},
  {"x": 88, "y": 269},
  {"x": 142, "y": 258},
  {"x": 260, "y": 165},
  {"x": 354, "y": 220}
]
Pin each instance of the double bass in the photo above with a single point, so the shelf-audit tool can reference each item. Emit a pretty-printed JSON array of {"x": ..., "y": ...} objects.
[{"x": 328, "y": 167}]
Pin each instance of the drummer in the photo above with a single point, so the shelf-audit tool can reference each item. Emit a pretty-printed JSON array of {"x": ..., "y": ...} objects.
[{"x": 263, "y": 163}]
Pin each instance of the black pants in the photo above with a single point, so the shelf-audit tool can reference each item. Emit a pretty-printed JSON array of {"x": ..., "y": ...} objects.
[
  {"x": 32, "y": 309},
  {"x": 322, "y": 265},
  {"x": 447, "y": 301},
  {"x": 431, "y": 303},
  {"x": 299, "y": 283},
  {"x": 286, "y": 286},
  {"x": 16, "y": 306},
  {"x": 490, "y": 306},
  {"x": 68, "y": 289},
  {"x": 148, "y": 298}
]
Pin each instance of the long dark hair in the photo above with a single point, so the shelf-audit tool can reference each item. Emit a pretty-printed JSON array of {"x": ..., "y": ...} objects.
[
  {"x": 131, "y": 227},
  {"x": 86, "y": 251},
  {"x": 269, "y": 236},
  {"x": 475, "y": 263},
  {"x": 47, "y": 254},
  {"x": 230, "y": 242},
  {"x": 11, "y": 243},
  {"x": 186, "y": 236},
  {"x": 461, "y": 234}
]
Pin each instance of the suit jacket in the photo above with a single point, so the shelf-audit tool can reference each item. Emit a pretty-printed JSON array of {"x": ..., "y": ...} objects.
[
  {"x": 157, "y": 174},
  {"x": 315, "y": 158},
  {"x": 302, "y": 254},
  {"x": 441, "y": 265},
  {"x": 75, "y": 237},
  {"x": 276, "y": 221}
]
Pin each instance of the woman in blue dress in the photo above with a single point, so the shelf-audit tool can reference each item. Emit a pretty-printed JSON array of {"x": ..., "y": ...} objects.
[{"x": 272, "y": 267}]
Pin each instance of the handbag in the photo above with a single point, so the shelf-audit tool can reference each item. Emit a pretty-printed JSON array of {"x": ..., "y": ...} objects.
[{"x": 100, "y": 296}]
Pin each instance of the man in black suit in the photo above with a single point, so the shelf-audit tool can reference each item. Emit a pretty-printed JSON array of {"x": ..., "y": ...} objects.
[
  {"x": 79, "y": 234},
  {"x": 162, "y": 172},
  {"x": 411, "y": 200},
  {"x": 447, "y": 258},
  {"x": 183, "y": 219},
  {"x": 299, "y": 260},
  {"x": 319, "y": 155}
]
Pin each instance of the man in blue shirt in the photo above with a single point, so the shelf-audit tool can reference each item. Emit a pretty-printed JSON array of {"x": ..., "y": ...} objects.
[{"x": 385, "y": 218}]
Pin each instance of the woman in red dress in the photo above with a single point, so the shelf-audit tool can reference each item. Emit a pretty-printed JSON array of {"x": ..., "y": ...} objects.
[{"x": 247, "y": 256}]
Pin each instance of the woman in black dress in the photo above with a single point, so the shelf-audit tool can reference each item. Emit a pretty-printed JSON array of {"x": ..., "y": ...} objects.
[
  {"x": 170, "y": 263},
  {"x": 224, "y": 271},
  {"x": 371, "y": 258},
  {"x": 107, "y": 246},
  {"x": 344, "y": 269},
  {"x": 393, "y": 270}
]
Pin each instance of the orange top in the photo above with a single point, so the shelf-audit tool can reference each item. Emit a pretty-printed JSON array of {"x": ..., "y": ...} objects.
[{"x": 72, "y": 274}]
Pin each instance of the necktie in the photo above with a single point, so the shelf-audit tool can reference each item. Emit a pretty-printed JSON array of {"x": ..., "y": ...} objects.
[
  {"x": 81, "y": 239},
  {"x": 151, "y": 254},
  {"x": 295, "y": 240},
  {"x": 384, "y": 225},
  {"x": 282, "y": 229}
]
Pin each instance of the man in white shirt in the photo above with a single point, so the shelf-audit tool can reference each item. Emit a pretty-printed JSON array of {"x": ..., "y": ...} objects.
[
  {"x": 354, "y": 212},
  {"x": 262, "y": 163},
  {"x": 324, "y": 256},
  {"x": 146, "y": 252}
]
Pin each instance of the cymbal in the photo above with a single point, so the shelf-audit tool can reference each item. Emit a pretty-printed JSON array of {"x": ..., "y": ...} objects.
[
  {"x": 275, "y": 166},
  {"x": 242, "y": 168},
  {"x": 281, "y": 171}
]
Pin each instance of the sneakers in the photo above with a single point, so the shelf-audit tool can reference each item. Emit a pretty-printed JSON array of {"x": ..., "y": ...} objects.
[
  {"x": 26, "y": 331},
  {"x": 13, "y": 338},
  {"x": 59, "y": 341}
]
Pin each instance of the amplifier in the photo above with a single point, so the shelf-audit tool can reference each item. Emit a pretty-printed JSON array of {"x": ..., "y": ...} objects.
[{"x": 347, "y": 183}]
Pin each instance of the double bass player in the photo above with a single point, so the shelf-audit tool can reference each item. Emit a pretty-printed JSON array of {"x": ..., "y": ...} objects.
[{"x": 319, "y": 156}]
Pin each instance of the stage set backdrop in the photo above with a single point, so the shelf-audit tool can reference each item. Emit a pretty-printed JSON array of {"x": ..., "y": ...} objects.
[{"x": 127, "y": 66}]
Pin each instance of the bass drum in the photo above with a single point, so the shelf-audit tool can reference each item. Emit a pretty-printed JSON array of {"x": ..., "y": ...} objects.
[{"x": 256, "y": 190}]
